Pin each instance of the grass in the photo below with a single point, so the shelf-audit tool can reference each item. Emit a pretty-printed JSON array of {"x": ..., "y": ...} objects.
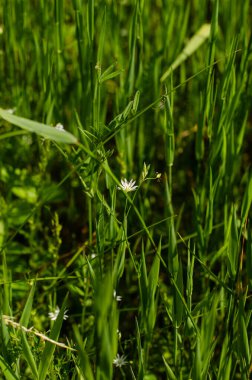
[{"x": 151, "y": 283}]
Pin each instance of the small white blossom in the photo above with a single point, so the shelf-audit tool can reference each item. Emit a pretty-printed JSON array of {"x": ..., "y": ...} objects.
[
  {"x": 119, "y": 361},
  {"x": 117, "y": 298},
  {"x": 11, "y": 110},
  {"x": 127, "y": 185},
  {"x": 60, "y": 127},
  {"x": 54, "y": 314}
]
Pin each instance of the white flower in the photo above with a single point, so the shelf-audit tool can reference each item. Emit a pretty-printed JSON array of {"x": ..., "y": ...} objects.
[
  {"x": 119, "y": 361},
  {"x": 60, "y": 127},
  {"x": 54, "y": 314},
  {"x": 127, "y": 185},
  {"x": 117, "y": 298},
  {"x": 11, "y": 110}
]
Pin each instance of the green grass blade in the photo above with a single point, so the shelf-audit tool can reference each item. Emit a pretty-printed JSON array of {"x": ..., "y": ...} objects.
[
  {"x": 112, "y": 75},
  {"x": 197, "y": 364},
  {"x": 246, "y": 203},
  {"x": 193, "y": 44},
  {"x": 249, "y": 254},
  {"x": 169, "y": 372},
  {"x": 48, "y": 351},
  {"x": 232, "y": 244},
  {"x": 243, "y": 339},
  {"x": 152, "y": 290},
  {"x": 26, "y": 350},
  {"x": 7, "y": 371},
  {"x": 24, "y": 320},
  {"x": 84, "y": 362},
  {"x": 40, "y": 129}
]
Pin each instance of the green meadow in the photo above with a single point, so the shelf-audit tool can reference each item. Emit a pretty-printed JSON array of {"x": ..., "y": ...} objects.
[{"x": 125, "y": 189}]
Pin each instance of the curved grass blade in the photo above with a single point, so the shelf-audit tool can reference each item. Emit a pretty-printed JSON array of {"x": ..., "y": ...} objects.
[
  {"x": 40, "y": 129},
  {"x": 169, "y": 373}
]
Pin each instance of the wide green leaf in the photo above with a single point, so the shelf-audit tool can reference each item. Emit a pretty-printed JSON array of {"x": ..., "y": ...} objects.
[{"x": 40, "y": 129}]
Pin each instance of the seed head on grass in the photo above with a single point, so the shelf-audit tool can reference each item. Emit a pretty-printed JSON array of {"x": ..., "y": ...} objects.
[
  {"x": 54, "y": 314},
  {"x": 119, "y": 361},
  {"x": 127, "y": 186},
  {"x": 145, "y": 172}
]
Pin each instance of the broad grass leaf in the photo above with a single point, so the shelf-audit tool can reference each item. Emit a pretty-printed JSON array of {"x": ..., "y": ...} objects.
[
  {"x": 40, "y": 129},
  {"x": 193, "y": 44}
]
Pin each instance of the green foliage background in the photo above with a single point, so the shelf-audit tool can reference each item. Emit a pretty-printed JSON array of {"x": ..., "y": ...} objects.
[{"x": 178, "y": 250}]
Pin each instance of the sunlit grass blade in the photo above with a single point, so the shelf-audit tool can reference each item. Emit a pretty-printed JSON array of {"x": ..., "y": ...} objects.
[
  {"x": 193, "y": 44},
  {"x": 40, "y": 129}
]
